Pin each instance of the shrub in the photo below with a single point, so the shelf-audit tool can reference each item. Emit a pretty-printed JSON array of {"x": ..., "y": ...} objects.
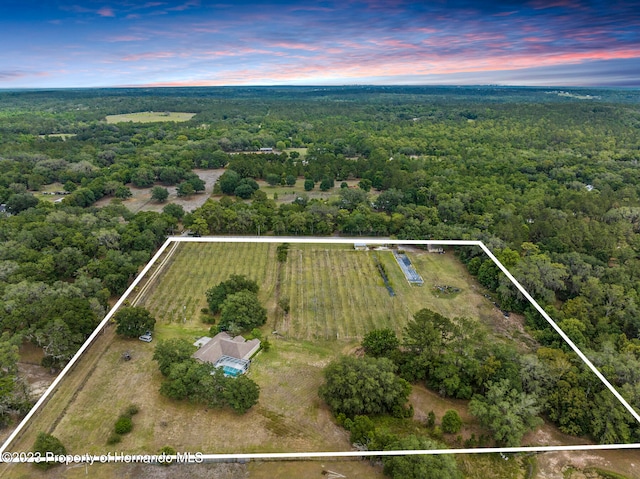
[
  {"x": 167, "y": 451},
  {"x": 308, "y": 185},
  {"x": 114, "y": 438},
  {"x": 48, "y": 443},
  {"x": 451, "y": 422},
  {"x": 431, "y": 419},
  {"x": 132, "y": 410},
  {"x": 124, "y": 424}
]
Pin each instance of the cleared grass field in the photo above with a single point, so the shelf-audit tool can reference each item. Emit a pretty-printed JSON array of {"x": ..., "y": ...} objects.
[
  {"x": 286, "y": 193},
  {"x": 150, "y": 117},
  {"x": 337, "y": 293}
]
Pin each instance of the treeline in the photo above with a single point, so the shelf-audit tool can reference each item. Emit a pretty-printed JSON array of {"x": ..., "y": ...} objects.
[{"x": 58, "y": 268}]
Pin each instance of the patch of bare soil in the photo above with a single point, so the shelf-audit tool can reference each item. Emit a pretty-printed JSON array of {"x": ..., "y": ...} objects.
[
  {"x": 575, "y": 465},
  {"x": 38, "y": 378},
  {"x": 141, "y": 199}
]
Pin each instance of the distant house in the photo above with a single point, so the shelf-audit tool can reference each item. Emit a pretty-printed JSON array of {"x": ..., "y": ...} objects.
[
  {"x": 232, "y": 354},
  {"x": 432, "y": 248},
  {"x": 266, "y": 150}
]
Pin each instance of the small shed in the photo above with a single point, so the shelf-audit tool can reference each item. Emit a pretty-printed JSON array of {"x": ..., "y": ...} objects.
[
  {"x": 434, "y": 248},
  {"x": 360, "y": 246}
]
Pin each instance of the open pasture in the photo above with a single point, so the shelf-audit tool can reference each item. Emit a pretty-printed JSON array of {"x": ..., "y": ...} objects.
[
  {"x": 337, "y": 293},
  {"x": 150, "y": 117}
]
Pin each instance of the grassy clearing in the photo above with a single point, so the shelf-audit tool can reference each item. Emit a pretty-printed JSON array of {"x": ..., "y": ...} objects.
[
  {"x": 150, "y": 117},
  {"x": 286, "y": 194},
  {"x": 64, "y": 136},
  {"x": 47, "y": 192},
  {"x": 302, "y": 151},
  {"x": 337, "y": 293}
]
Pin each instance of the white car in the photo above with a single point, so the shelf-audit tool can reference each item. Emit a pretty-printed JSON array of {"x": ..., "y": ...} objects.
[{"x": 146, "y": 337}]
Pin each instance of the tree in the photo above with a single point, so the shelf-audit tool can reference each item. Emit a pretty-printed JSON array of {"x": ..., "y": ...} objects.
[
  {"x": 57, "y": 342},
  {"x": 242, "y": 309},
  {"x": 451, "y": 422},
  {"x": 506, "y": 411},
  {"x": 610, "y": 422},
  {"x": 133, "y": 321},
  {"x": 364, "y": 184},
  {"x": 350, "y": 198},
  {"x": 123, "y": 192},
  {"x": 364, "y": 386},
  {"x": 241, "y": 394},
  {"x": 185, "y": 189},
  {"x": 235, "y": 284},
  {"x": 326, "y": 184},
  {"x": 290, "y": 180},
  {"x": 389, "y": 200},
  {"x": 172, "y": 351},
  {"x": 143, "y": 177},
  {"x": 428, "y": 332},
  {"x": 228, "y": 182},
  {"x": 419, "y": 466},
  {"x": 218, "y": 159},
  {"x": 246, "y": 187},
  {"x": 9, "y": 358},
  {"x": 308, "y": 185},
  {"x": 177, "y": 211},
  {"x": 244, "y": 191},
  {"x": 190, "y": 379},
  {"x": 273, "y": 179},
  {"x": 21, "y": 202},
  {"x": 159, "y": 194},
  {"x": 195, "y": 181},
  {"x": 380, "y": 342},
  {"x": 46, "y": 443}
]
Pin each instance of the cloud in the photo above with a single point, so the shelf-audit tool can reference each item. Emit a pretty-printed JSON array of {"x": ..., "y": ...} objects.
[
  {"x": 126, "y": 38},
  {"x": 185, "y": 6},
  {"x": 106, "y": 12},
  {"x": 147, "y": 56},
  {"x": 11, "y": 75}
]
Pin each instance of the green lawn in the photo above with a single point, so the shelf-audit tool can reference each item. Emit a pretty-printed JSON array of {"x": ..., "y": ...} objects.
[{"x": 150, "y": 117}]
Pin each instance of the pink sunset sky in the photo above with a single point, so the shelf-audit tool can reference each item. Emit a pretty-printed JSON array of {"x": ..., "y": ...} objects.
[{"x": 60, "y": 44}]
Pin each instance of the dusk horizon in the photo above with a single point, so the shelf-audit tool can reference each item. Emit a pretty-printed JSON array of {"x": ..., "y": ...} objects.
[{"x": 125, "y": 44}]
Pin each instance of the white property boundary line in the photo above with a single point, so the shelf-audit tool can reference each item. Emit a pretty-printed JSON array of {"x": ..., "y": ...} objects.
[{"x": 301, "y": 455}]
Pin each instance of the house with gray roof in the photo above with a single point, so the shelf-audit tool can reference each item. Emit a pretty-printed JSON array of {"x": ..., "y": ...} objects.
[{"x": 233, "y": 354}]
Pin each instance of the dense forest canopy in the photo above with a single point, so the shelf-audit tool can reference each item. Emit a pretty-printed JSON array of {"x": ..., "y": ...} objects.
[{"x": 548, "y": 178}]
